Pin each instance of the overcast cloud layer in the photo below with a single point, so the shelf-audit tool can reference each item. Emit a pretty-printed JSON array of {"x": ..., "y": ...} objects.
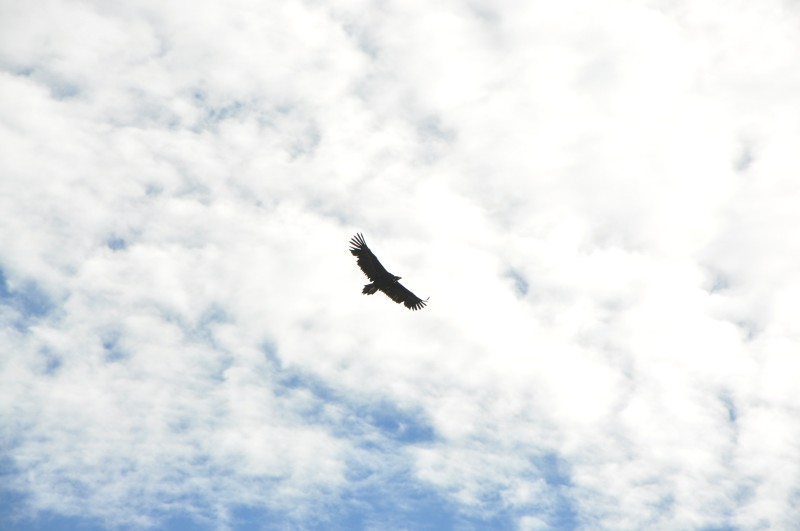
[{"x": 600, "y": 198}]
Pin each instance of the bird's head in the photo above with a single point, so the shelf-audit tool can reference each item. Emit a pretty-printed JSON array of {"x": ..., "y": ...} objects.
[{"x": 397, "y": 278}]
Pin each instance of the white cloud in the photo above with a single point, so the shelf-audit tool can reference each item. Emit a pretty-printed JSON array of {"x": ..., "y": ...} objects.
[{"x": 599, "y": 200}]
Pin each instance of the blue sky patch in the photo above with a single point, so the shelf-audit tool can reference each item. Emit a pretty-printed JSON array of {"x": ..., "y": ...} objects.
[
  {"x": 28, "y": 299},
  {"x": 381, "y": 415},
  {"x": 111, "y": 347},
  {"x": 555, "y": 471},
  {"x": 520, "y": 284},
  {"x": 117, "y": 244}
]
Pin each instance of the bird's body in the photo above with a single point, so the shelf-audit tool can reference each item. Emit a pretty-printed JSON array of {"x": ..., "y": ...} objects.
[{"x": 381, "y": 279}]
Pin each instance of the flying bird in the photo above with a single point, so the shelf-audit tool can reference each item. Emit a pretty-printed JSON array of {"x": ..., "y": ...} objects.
[{"x": 381, "y": 279}]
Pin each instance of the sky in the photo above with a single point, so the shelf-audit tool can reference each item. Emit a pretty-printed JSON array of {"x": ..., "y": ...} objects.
[{"x": 599, "y": 198}]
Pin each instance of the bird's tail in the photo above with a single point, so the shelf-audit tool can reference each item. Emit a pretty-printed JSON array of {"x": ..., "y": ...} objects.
[{"x": 369, "y": 289}]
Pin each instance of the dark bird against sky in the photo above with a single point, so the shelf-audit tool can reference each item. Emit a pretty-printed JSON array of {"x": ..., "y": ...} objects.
[{"x": 381, "y": 279}]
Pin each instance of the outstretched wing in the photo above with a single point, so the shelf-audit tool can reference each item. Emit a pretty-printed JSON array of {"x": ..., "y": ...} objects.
[
  {"x": 367, "y": 261},
  {"x": 400, "y": 294}
]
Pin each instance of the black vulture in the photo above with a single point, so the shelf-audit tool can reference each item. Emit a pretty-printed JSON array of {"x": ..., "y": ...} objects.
[{"x": 381, "y": 279}]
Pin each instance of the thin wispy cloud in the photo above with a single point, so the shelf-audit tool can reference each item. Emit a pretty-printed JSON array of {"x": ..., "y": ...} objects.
[{"x": 599, "y": 199}]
